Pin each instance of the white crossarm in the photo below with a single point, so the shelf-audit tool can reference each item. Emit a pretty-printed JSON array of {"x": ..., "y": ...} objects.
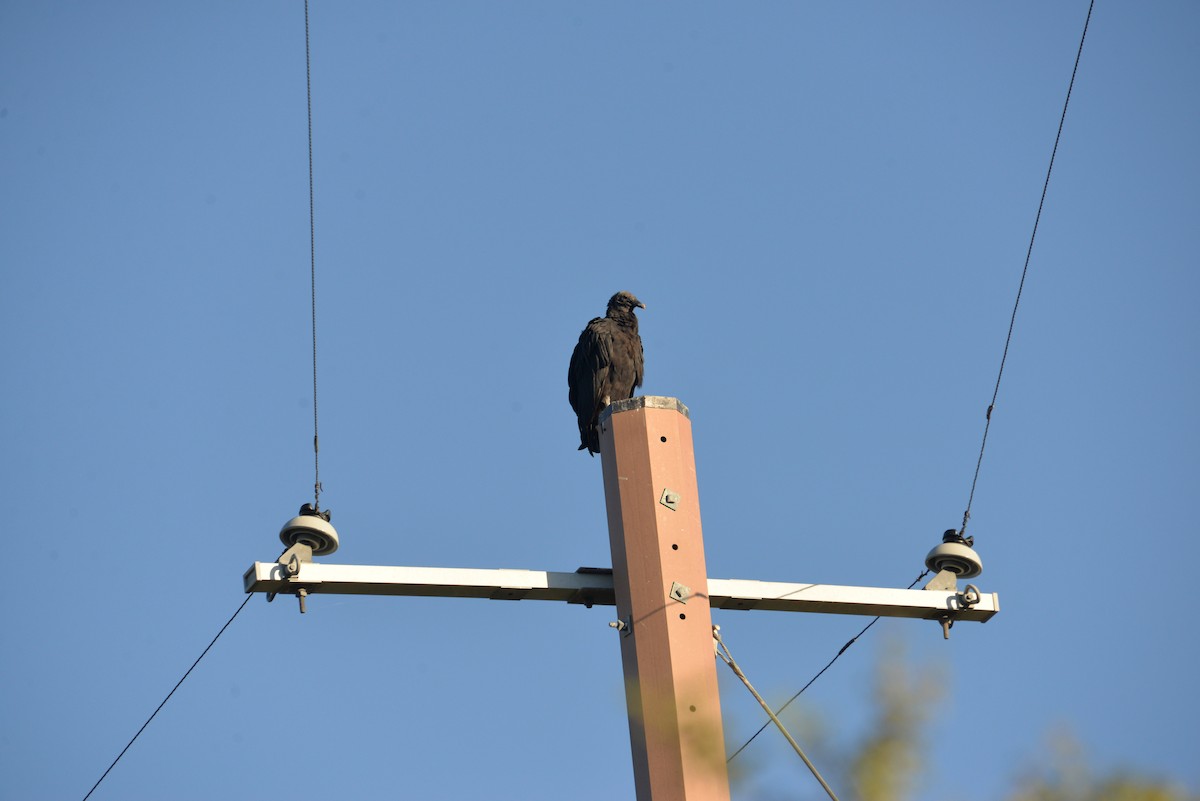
[{"x": 591, "y": 587}]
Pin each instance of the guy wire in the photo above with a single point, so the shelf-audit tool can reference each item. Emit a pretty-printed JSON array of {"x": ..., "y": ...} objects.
[{"x": 726, "y": 656}]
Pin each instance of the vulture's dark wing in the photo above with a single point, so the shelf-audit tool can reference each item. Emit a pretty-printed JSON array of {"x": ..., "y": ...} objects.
[
  {"x": 639, "y": 366},
  {"x": 588, "y": 378}
]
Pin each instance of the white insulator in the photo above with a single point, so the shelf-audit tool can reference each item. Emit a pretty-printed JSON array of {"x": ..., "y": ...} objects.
[
  {"x": 956, "y": 557},
  {"x": 315, "y": 532}
]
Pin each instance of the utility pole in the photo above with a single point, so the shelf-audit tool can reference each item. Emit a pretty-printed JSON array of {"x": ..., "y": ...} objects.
[
  {"x": 661, "y": 589},
  {"x": 659, "y": 586}
]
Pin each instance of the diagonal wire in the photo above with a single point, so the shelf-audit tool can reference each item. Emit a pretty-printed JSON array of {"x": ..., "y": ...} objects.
[
  {"x": 1028, "y": 253},
  {"x": 820, "y": 672},
  {"x": 168, "y": 698}
]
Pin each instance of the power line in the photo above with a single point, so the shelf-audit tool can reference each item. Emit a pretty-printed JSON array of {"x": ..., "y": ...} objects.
[
  {"x": 168, "y": 698},
  {"x": 312, "y": 246},
  {"x": 1028, "y": 253},
  {"x": 316, "y": 441},
  {"x": 999, "y": 376},
  {"x": 820, "y": 672}
]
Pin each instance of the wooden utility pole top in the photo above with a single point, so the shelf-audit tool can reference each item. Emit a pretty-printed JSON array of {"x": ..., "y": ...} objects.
[{"x": 661, "y": 589}]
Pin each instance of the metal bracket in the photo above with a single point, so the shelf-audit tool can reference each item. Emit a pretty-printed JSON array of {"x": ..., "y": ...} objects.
[
  {"x": 680, "y": 592},
  {"x": 290, "y": 561},
  {"x": 293, "y": 557},
  {"x": 966, "y": 599},
  {"x": 944, "y": 581},
  {"x": 622, "y": 626},
  {"x": 669, "y": 499}
]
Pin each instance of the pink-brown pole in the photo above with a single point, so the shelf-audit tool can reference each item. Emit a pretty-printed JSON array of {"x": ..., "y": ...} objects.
[{"x": 661, "y": 587}]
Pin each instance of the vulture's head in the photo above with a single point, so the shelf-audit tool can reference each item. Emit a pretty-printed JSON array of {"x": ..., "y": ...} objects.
[{"x": 623, "y": 303}]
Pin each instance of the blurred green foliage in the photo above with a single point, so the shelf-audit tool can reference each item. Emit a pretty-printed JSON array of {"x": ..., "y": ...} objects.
[{"x": 888, "y": 762}]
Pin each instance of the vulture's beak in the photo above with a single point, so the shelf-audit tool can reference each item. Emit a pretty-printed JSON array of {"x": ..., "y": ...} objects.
[{"x": 641, "y": 305}]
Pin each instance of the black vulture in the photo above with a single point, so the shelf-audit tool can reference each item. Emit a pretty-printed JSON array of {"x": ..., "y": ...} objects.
[{"x": 606, "y": 365}]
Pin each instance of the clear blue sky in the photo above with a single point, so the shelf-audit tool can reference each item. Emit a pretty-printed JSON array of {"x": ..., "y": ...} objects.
[{"x": 825, "y": 207}]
